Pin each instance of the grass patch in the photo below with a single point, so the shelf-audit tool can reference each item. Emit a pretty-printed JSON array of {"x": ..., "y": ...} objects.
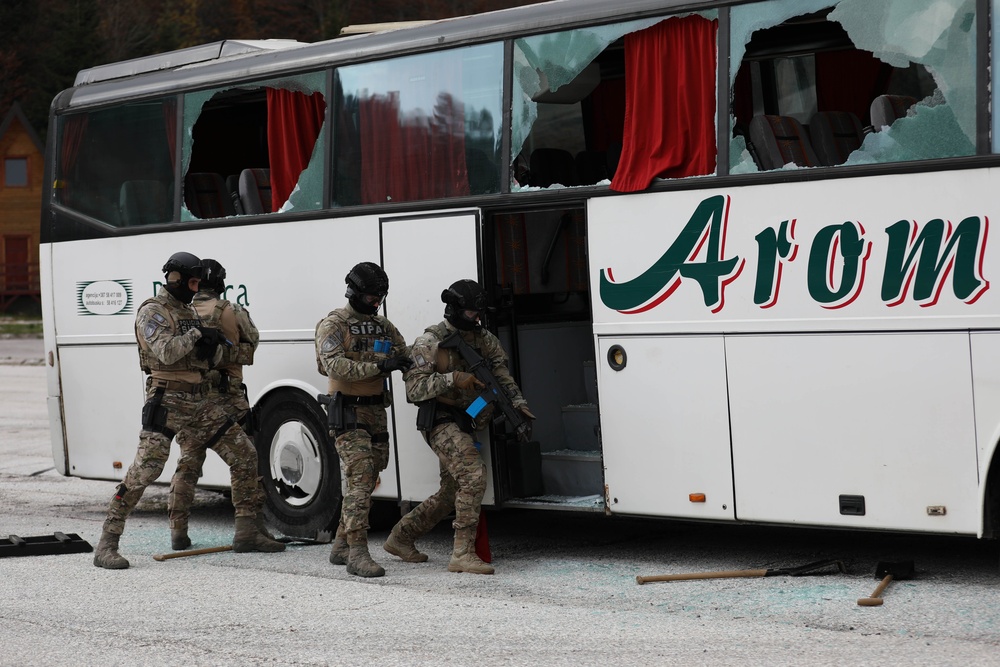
[{"x": 19, "y": 326}]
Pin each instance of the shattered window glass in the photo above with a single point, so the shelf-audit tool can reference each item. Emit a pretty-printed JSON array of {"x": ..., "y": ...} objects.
[
  {"x": 893, "y": 80},
  {"x": 254, "y": 148},
  {"x": 568, "y": 104}
]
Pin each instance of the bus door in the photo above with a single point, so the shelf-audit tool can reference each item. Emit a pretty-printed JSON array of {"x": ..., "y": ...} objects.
[
  {"x": 664, "y": 408},
  {"x": 423, "y": 255},
  {"x": 537, "y": 261}
]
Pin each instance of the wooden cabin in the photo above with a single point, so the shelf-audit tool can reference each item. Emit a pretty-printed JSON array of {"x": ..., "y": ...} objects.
[{"x": 21, "y": 174}]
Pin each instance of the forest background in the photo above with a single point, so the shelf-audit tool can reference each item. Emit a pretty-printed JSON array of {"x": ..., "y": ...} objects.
[{"x": 44, "y": 43}]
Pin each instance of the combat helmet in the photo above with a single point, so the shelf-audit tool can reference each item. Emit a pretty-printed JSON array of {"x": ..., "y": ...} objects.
[
  {"x": 460, "y": 297},
  {"x": 366, "y": 279},
  {"x": 188, "y": 266},
  {"x": 213, "y": 276}
]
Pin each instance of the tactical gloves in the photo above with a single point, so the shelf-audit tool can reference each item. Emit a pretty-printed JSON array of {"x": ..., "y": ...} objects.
[
  {"x": 391, "y": 364},
  {"x": 465, "y": 380},
  {"x": 210, "y": 340}
]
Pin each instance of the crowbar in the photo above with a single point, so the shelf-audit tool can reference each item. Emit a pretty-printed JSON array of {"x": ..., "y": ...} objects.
[
  {"x": 731, "y": 574},
  {"x": 229, "y": 547},
  {"x": 887, "y": 571}
]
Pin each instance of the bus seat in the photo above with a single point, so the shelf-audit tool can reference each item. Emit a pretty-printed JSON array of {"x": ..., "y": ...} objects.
[
  {"x": 206, "y": 196},
  {"x": 886, "y": 109},
  {"x": 835, "y": 135},
  {"x": 255, "y": 191},
  {"x": 552, "y": 165},
  {"x": 144, "y": 203},
  {"x": 233, "y": 188},
  {"x": 779, "y": 140},
  {"x": 483, "y": 175},
  {"x": 591, "y": 167}
]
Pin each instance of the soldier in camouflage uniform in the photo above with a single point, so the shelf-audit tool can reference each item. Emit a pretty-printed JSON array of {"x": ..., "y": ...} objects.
[
  {"x": 357, "y": 350},
  {"x": 175, "y": 351},
  {"x": 441, "y": 376},
  {"x": 225, "y": 390}
]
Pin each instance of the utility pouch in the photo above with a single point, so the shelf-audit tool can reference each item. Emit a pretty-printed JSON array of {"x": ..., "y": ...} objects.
[
  {"x": 426, "y": 413},
  {"x": 250, "y": 422},
  {"x": 154, "y": 415},
  {"x": 334, "y": 411}
]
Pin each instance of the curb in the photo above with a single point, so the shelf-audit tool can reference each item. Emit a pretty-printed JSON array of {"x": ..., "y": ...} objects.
[{"x": 10, "y": 361}]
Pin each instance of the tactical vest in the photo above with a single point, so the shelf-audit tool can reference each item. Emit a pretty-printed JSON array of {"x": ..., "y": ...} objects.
[
  {"x": 242, "y": 351},
  {"x": 356, "y": 348},
  {"x": 153, "y": 366}
]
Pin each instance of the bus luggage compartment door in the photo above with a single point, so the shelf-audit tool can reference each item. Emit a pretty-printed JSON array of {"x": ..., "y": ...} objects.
[{"x": 665, "y": 426}]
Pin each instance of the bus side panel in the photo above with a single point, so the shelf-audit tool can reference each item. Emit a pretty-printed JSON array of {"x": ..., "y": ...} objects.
[
  {"x": 985, "y": 362},
  {"x": 884, "y": 416},
  {"x": 665, "y": 427}
]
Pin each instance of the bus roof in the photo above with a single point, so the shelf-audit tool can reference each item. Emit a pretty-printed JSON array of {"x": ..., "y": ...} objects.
[
  {"x": 207, "y": 65},
  {"x": 173, "y": 59}
]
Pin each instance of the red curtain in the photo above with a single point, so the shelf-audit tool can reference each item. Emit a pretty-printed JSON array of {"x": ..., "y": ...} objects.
[
  {"x": 670, "y": 103},
  {"x": 294, "y": 120},
  {"x": 409, "y": 154},
  {"x": 170, "y": 123}
]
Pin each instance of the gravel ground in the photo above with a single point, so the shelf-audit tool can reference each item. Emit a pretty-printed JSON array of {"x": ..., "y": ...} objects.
[{"x": 564, "y": 594}]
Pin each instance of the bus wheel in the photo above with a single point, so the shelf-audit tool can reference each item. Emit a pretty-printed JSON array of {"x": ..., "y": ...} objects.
[{"x": 299, "y": 466}]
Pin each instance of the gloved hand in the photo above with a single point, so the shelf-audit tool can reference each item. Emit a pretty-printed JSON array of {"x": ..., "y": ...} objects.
[
  {"x": 525, "y": 434},
  {"x": 210, "y": 340},
  {"x": 390, "y": 364},
  {"x": 466, "y": 381}
]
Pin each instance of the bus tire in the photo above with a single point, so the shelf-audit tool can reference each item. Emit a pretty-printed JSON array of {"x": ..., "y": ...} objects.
[{"x": 298, "y": 465}]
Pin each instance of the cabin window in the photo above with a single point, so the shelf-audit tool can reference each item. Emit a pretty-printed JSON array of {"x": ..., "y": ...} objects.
[{"x": 15, "y": 172}]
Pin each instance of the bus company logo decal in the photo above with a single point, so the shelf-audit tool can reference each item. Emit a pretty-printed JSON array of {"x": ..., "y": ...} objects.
[
  {"x": 104, "y": 297},
  {"x": 919, "y": 257}
]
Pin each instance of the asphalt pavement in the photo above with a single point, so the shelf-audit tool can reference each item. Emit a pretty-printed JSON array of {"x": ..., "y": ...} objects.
[{"x": 564, "y": 593}]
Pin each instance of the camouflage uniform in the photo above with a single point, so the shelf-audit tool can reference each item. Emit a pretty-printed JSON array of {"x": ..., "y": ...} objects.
[
  {"x": 349, "y": 346},
  {"x": 463, "y": 473},
  {"x": 166, "y": 336},
  {"x": 225, "y": 391}
]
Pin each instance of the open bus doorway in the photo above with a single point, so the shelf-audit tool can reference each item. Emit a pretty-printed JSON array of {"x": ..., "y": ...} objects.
[{"x": 543, "y": 319}]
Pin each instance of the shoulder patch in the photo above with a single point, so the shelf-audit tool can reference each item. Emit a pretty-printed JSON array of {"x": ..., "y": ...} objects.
[{"x": 331, "y": 342}]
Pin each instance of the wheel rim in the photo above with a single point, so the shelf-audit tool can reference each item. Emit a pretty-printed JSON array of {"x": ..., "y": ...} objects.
[{"x": 295, "y": 463}]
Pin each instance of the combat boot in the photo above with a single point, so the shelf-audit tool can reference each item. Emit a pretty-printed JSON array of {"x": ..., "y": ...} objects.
[
  {"x": 249, "y": 539},
  {"x": 106, "y": 555},
  {"x": 464, "y": 558},
  {"x": 179, "y": 539},
  {"x": 359, "y": 561},
  {"x": 401, "y": 544},
  {"x": 339, "y": 550},
  {"x": 262, "y": 526}
]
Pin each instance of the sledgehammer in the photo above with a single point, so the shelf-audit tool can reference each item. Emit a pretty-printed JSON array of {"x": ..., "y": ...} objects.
[{"x": 887, "y": 571}]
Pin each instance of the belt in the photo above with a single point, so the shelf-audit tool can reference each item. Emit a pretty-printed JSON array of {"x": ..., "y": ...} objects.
[
  {"x": 378, "y": 399},
  {"x": 177, "y": 385}
]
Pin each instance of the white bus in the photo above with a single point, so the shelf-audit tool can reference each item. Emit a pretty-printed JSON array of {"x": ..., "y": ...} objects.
[{"x": 738, "y": 251}]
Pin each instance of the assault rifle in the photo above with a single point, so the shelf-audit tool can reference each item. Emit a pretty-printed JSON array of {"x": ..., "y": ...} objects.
[{"x": 494, "y": 391}]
